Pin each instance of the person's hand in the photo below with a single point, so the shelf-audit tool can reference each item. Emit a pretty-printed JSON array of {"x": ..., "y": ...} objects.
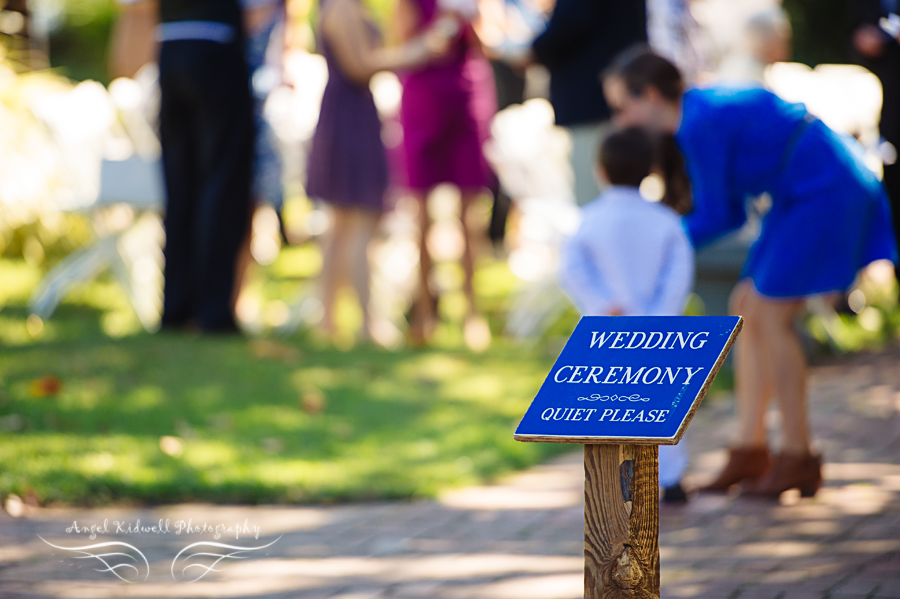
[
  {"x": 869, "y": 41},
  {"x": 439, "y": 37},
  {"x": 436, "y": 42},
  {"x": 416, "y": 52},
  {"x": 424, "y": 48}
]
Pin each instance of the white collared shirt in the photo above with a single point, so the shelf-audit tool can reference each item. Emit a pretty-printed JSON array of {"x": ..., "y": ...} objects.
[{"x": 630, "y": 255}]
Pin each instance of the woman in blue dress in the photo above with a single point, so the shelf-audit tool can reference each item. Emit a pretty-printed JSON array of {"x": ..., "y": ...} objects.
[{"x": 828, "y": 219}]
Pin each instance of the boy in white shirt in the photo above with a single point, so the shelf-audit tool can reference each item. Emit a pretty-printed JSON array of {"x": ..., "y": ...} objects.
[{"x": 632, "y": 257}]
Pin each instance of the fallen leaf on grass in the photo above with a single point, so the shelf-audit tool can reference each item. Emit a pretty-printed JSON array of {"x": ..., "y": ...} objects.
[
  {"x": 312, "y": 400},
  {"x": 47, "y": 385},
  {"x": 266, "y": 349}
]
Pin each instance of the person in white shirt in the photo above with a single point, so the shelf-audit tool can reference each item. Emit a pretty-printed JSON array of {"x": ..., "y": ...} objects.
[{"x": 631, "y": 255}]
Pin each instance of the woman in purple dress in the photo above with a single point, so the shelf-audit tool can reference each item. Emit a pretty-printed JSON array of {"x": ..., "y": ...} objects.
[
  {"x": 347, "y": 165},
  {"x": 446, "y": 112}
]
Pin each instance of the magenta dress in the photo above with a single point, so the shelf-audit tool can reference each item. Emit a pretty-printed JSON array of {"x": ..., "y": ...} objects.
[
  {"x": 347, "y": 163},
  {"x": 446, "y": 113}
]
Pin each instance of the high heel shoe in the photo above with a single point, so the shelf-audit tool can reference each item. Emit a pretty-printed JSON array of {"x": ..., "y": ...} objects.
[
  {"x": 801, "y": 471},
  {"x": 744, "y": 464}
]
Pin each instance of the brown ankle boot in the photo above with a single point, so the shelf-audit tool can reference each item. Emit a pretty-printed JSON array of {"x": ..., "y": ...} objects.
[
  {"x": 744, "y": 464},
  {"x": 801, "y": 471}
]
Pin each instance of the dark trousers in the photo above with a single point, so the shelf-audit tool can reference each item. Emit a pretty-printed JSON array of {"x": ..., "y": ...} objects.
[
  {"x": 206, "y": 128},
  {"x": 888, "y": 72},
  {"x": 892, "y": 185},
  {"x": 510, "y": 90}
]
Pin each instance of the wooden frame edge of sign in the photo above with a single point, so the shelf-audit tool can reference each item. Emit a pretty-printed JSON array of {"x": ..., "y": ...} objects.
[
  {"x": 732, "y": 339},
  {"x": 587, "y": 440},
  {"x": 597, "y": 440}
]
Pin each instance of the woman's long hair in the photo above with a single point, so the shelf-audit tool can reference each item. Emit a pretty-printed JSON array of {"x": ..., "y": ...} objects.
[{"x": 678, "y": 186}]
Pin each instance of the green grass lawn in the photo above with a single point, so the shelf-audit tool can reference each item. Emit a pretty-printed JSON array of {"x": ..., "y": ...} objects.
[
  {"x": 170, "y": 417},
  {"x": 259, "y": 420},
  {"x": 254, "y": 420}
]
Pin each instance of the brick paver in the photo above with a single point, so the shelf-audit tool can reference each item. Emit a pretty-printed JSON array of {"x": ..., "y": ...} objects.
[{"x": 523, "y": 539}]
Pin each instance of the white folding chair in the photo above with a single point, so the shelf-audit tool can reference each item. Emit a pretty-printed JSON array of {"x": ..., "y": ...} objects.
[{"x": 124, "y": 196}]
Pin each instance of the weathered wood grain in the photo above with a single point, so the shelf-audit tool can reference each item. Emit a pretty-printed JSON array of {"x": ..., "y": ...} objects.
[{"x": 621, "y": 522}]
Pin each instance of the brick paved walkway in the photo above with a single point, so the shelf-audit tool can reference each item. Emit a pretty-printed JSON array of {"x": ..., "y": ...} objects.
[{"x": 522, "y": 539}]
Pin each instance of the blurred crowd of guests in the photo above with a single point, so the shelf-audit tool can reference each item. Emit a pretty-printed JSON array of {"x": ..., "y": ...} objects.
[{"x": 459, "y": 62}]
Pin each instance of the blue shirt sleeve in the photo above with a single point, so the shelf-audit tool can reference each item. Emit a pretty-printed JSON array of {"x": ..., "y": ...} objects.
[
  {"x": 581, "y": 277},
  {"x": 718, "y": 207},
  {"x": 675, "y": 277}
]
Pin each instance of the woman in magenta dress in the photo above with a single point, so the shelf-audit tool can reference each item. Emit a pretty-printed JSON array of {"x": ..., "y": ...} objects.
[
  {"x": 347, "y": 165},
  {"x": 446, "y": 112}
]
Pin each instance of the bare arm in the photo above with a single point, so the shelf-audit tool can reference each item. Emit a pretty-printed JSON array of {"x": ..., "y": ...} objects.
[
  {"x": 133, "y": 44},
  {"x": 407, "y": 20}
]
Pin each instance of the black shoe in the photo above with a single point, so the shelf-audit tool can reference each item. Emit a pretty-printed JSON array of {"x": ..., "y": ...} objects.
[{"x": 675, "y": 494}]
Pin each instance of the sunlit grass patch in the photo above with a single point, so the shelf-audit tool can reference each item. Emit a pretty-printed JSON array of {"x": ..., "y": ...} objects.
[
  {"x": 91, "y": 416},
  {"x": 88, "y": 418}
]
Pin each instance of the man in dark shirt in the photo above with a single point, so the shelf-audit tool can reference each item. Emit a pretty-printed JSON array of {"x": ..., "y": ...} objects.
[
  {"x": 206, "y": 129},
  {"x": 581, "y": 39}
]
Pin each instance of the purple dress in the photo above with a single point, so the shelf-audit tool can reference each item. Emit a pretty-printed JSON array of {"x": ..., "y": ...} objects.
[
  {"x": 347, "y": 163},
  {"x": 446, "y": 113}
]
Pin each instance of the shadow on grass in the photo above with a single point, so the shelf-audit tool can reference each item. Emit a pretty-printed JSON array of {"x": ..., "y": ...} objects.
[
  {"x": 176, "y": 417},
  {"x": 89, "y": 419}
]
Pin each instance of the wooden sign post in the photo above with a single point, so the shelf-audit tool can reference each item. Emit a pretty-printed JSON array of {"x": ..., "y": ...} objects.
[{"x": 622, "y": 386}]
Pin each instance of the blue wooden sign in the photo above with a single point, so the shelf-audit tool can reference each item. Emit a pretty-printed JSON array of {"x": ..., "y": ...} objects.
[{"x": 629, "y": 379}]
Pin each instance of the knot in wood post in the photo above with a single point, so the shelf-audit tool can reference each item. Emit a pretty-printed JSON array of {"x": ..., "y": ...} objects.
[
  {"x": 627, "y": 574},
  {"x": 621, "y": 522}
]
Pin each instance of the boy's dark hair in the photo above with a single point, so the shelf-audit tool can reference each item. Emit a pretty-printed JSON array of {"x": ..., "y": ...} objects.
[{"x": 628, "y": 156}]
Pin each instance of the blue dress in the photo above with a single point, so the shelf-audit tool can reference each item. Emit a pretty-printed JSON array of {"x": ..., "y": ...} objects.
[{"x": 830, "y": 215}]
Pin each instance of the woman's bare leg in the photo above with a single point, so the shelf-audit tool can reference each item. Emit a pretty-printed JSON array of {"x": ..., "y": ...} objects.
[
  {"x": 467, "y": 198},
  {"x": 361, "y": 233},
  {"x": 241, "y": 266},
  {"x": 753, "y": 377},
  {"x": 749, "y": 458},
  {"x": 334, "y": 263},
  {"x": 424, "y": 316},
  {"x": 476, "y": 332},
  {"x": 787, "y": 362},
  {"x": 795, "y": 467}
]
